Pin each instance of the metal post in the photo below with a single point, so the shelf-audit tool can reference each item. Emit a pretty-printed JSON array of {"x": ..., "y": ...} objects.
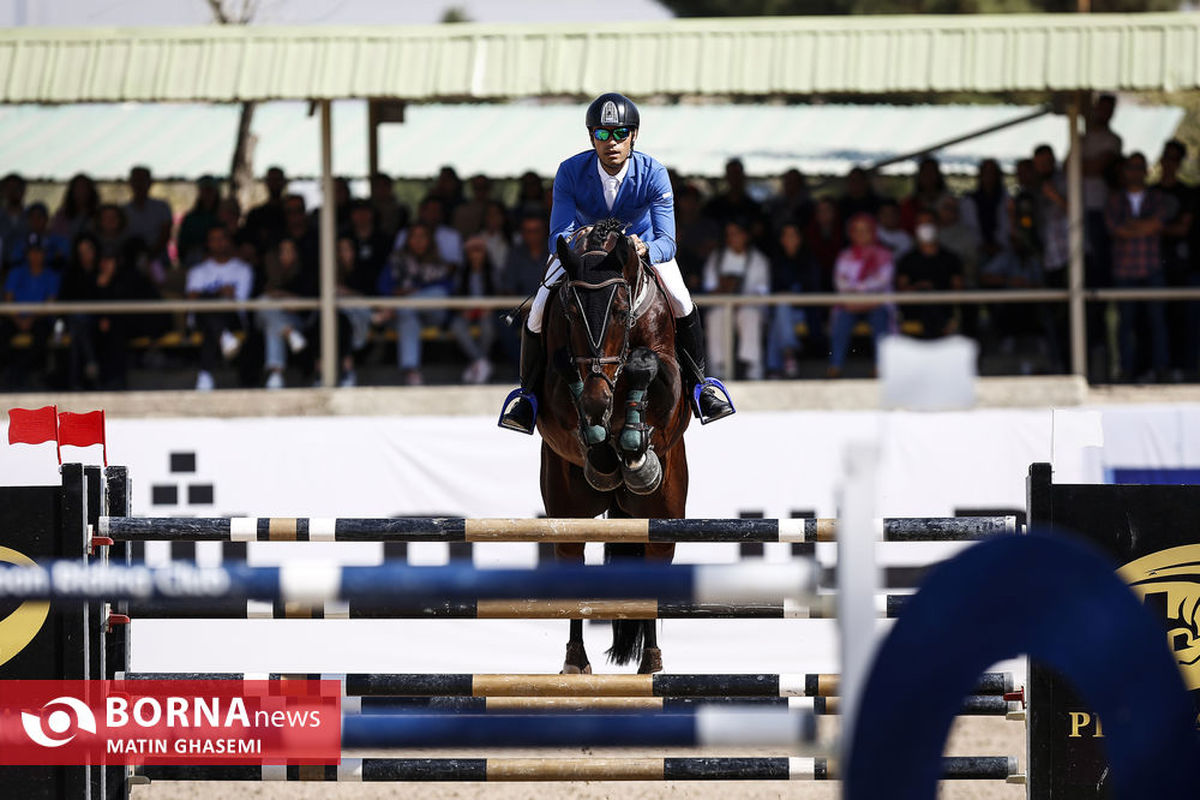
[
  {"x": 372, "y": 137},
  {"x": 1075, "y": 222},
  {"x": 328, "y": 252}
]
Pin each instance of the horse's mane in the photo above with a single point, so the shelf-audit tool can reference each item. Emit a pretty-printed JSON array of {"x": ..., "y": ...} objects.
[{"x": 598, "y": 235}]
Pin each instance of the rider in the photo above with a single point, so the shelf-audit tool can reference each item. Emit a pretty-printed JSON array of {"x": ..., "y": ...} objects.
[{"x": 611, "y": 180}]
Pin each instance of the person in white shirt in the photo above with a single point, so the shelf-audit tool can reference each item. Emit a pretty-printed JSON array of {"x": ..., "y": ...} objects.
[
  {"x": 737, "y": 268},
  {"x": 221, "y": 276}
]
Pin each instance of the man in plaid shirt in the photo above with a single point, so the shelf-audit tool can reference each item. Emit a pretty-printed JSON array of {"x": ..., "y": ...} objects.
[{"x": 1135, "y": 222}]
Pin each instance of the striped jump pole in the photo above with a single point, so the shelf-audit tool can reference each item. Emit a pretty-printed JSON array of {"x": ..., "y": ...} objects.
[
  {"x": 538, "y": 685},
  {"x": 318, "y": 582},
  {"x": 973, "y": 705},
  {"x": 394, "y": 770},
  {"x": 700, "y": 727},
  {"x": 821, "y": 607},
  {"x": 459, "y": 529}
]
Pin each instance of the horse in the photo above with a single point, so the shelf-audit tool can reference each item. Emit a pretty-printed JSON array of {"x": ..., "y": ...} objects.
[{"x": 610, "y": 344}]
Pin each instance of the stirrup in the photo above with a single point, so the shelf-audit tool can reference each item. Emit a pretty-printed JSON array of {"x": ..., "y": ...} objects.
[
  {"x": 507, "y": 410},
  {"x": 720, "y": 387}
]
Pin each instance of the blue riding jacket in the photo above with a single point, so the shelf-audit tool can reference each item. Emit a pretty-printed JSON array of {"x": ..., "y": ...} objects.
[{"x": 644, "y": 202}]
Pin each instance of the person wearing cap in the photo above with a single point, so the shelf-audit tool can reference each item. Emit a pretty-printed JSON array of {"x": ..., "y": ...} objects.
[
  {"x": 55, "y": 248},
  {"x": 473, "y": 328},
  {"x": 611, "y": 179}
]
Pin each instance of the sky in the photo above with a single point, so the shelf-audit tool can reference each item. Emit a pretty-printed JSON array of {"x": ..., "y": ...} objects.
[{"x": 328, "y": 12}]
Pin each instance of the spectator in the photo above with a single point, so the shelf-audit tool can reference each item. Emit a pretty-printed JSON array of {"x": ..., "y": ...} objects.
[
  {"x": 220, "y": 276},
  {"x": 299, "y": 228},
  {"x": 371, "y": 246},
  {"x": 110, "y": 228},
  {"x": 390, "y": 214},
  {"x": 930, "y": 267},
  {"x": 792, "y": 204},
  {"x": 737, "y": 268},
  {"x": 961, "y": 239},
  {"x": 96, "y": 359},
  {"x": 1052, "y": 212},
  {"x": 416, "y": 269},
  {"x": 496, "y": 233},
  {"x": 986, "y": 210},
  {"x": 793, "y": 271},
  {"x": 697, "y": 236},
  {"x": 356, "y": 278},
  {"x": 31, "y": 281},
  {"x": 266, "y": 224},
  {"x": 825, "y": 238},
  {"x": 56, "y": 248},
  {"x": 531, "y": 197},
  {"x": 475, "y": 281},
  {"x": 891, "y": 235},
  {"x": 928, "y": 189},
  {"x": 1101, "y": 151},
  {"x": 1135, "y": 224},
  {"x": 12, "y": 215},
  {"x": 865, "y": 266},
  {"x": 735, "y": 204},
  {"x": 447, "y": 241},
  {"x": 342, "y": 198},
  {"x": 149, "y": 220},
  {"x": 287, "y": 276},
  {"x": 526, "y": 262},
  {"x": 193, "y": 229},
  {"x": 448, "y": 188},
  {"x": 468, "y": 217},
  {"x": 859, "y": 196},
  {"x": 1179, "y": 216},
  {"x": 77, "y": 212}
]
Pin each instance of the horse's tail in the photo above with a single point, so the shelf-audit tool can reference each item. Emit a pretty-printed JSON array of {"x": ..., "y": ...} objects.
[{"x": 629, "y": 635}]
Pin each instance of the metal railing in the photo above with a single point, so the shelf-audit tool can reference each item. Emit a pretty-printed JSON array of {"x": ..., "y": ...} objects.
[{"x": 505, "y": 303}]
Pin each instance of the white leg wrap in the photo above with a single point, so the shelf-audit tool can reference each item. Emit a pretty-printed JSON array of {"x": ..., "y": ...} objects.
[
  {"x": 677, "y": 291},
  {"x": 538, "y": 306}
]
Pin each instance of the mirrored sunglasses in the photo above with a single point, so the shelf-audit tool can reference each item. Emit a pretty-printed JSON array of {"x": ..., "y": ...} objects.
[{"x": 618, "y": 134}]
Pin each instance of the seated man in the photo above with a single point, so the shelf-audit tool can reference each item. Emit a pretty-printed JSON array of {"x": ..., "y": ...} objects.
[{"x": 220, "y": 276}]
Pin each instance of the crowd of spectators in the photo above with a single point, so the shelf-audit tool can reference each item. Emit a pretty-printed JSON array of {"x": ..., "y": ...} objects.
[{"x": 463, "y": 240}]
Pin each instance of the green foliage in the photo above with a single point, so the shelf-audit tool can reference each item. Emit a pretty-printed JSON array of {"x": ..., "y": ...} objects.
[
  {"x": 755, "y": 8},
  {"x": 455, "y": 14}
]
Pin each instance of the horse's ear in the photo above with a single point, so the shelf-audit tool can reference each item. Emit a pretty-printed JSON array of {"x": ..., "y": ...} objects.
[
  {"x": 620, "y": 251},
  {"x": 567, "y": 257}
]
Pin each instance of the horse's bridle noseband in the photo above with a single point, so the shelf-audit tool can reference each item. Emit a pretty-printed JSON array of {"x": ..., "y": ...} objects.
[{"x": 597, "y": 360}]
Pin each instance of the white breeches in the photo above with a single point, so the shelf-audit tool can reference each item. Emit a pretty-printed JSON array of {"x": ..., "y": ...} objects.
[{"x": 668, "y": 273}]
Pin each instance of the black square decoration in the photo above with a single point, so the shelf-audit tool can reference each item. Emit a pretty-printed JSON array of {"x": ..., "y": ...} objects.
[
  {"x": 200, "y": 494},
  {"x": 183, "y": 462},
  {"x": 162, "y": 494}
]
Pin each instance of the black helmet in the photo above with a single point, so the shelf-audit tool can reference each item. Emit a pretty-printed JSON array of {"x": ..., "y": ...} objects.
[{"x": 611, "y": 110}]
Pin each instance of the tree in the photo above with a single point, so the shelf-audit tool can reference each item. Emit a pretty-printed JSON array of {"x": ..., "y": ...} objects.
[
  {"x": 241, "y": 169},
  {"x": 455, "y": 14}
]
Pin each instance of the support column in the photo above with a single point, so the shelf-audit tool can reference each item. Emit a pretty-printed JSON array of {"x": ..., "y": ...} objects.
[
  {"x": 1075, "y": 224},
  {"x": 328, "y": 237},
  {"x": 372, "y": 137}
]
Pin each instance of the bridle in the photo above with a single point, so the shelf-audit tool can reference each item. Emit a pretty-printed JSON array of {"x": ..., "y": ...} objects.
[{"x": 596, "y": 360}]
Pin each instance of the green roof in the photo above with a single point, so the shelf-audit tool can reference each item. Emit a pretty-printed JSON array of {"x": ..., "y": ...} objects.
[{"x": 758, "y": 56}]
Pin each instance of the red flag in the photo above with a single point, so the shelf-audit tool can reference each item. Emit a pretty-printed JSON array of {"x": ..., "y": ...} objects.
[
  {"x": 82, "y": 430},
  {"x": 32, "y": 425}
]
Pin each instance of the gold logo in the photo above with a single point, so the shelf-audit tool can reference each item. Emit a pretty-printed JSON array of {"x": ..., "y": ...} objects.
[
  {"x": 18, "y": 628},
  {"x": 1168, "y": 582}
]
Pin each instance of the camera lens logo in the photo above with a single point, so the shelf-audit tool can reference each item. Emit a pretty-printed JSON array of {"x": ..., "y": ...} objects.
[{"x": 58, "y": 721}]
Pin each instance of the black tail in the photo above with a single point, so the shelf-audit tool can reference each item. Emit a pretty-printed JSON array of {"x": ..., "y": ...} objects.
[{"x": 629, "y": 635}]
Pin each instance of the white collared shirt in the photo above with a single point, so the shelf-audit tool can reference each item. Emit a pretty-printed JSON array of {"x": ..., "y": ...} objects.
[{"x": 611, "y": 183}]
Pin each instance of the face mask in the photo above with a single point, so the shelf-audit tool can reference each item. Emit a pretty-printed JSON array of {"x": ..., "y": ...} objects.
[{"x": 926, "y": 233}]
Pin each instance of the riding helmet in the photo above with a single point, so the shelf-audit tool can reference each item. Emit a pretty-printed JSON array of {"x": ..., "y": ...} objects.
[{"x": 611, "y": 110}]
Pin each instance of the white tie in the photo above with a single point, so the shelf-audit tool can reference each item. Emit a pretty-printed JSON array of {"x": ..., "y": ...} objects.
[{"x": 610, "y": 191}]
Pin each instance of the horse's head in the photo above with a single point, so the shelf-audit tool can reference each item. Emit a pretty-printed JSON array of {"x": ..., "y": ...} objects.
[{"x": 597, "y": 298}]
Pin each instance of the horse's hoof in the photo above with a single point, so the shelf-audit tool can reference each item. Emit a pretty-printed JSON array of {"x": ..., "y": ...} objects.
[
  {"x": 651, "y": 661},
  {"x": 599, "y": 480},
  {"x": 647, "y": 477},
  {"x": 572, "y": 669}
]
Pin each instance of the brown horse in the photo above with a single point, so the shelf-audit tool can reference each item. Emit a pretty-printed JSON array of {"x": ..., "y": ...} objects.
[{"x": 610, "y": 340}]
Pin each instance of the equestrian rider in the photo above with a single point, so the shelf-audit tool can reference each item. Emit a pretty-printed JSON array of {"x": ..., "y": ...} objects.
[{"x": 611, "y": 180}]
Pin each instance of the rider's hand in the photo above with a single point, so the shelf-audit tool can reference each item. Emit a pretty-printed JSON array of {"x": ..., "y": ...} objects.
[{"x": 639, "y": 245}]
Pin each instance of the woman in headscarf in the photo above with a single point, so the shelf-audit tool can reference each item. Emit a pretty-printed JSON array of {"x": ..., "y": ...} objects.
[{"x": 865, "y": 266}]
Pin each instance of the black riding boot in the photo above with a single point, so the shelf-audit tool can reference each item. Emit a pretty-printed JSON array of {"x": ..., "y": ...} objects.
[
  {"x": 710, "y": 400},
  {"x": 521, "y": 405}
]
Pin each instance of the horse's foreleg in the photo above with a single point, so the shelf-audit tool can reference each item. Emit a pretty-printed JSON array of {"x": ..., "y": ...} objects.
[
  {"x": 651, "y": 654},
  {"x": 576, "y": 662}
]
